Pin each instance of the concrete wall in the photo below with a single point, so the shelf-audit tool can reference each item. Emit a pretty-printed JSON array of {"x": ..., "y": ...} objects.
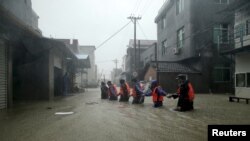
[
  {"x": 198, "y": 16},
  {"x": 148, "y": 55},
  {"x": 199, "y": 51},
  {"x": 169, "y": 33},
  {"x": 242, "y": 66},
  {"x": 242, "y": 59},
  {"x": 22, "y": 9}
]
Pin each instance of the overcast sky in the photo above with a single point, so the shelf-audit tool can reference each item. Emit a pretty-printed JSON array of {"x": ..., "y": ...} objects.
[{"x": 93, "y": 21}]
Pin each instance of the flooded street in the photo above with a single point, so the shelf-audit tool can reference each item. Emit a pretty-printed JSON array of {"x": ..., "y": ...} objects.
[{"x": 96, "y": 119}]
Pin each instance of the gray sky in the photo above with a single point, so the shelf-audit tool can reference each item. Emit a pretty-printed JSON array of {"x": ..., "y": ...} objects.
[{"x": 93, "y": 21}]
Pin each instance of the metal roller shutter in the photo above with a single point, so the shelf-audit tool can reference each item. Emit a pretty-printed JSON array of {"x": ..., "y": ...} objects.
[{"x": 3, "y": 76}]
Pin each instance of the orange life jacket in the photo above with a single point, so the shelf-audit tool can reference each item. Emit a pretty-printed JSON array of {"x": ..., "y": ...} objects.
[
  {"x": 134, "y": 94},
  {"x": 190, "y": 92},
  {"x": 127, "y": 87},
  {"x": 114, "y": 86},
  {"x": 155, "y": 96}
]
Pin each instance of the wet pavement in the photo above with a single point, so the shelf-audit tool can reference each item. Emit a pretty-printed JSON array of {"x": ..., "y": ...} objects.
[{"x": 94, "y": 119}]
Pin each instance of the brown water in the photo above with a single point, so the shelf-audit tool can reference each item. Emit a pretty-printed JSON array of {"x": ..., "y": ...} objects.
[{"x": 96, "y": 119}]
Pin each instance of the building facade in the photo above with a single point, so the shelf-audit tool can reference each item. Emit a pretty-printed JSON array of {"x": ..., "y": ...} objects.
[
  {"x": 90, "y": 77},
  {"x": 22, "y": 10},
  {"x": 17, "y": 22},
  {"x": 34, "y": 66},
  {"x": 241, "y": 47},
  {"x": 133, "y": 61},
  {"x": 193, "y": 33}
]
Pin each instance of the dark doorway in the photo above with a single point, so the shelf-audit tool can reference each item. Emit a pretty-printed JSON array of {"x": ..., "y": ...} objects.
[{"x": 58, "y": 82}]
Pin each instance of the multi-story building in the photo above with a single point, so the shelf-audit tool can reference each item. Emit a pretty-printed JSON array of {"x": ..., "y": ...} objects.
[
  {"x": 32, "y": 66},
  {"x": 191, "y": 34},
  {"x": 240, "y": 40},
  {"x": 79, "y": 78},
  {"x": 133, "y": 61},
  {"x": 17, "y": 19},
  {"x": 91, "y": 73},
  {"x": 22, "y": 10}
]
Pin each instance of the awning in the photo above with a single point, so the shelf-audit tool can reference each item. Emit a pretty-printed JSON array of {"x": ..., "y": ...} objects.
[
  {"x": 38, "y": 45},
  {"x": 83, "y": 60},
  {"x": 175, "y": 67},
  {"x": 237, "y": 50}
]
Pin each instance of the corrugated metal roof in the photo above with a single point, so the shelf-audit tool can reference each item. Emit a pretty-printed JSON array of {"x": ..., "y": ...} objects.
[{"x": 175, "y": 67}]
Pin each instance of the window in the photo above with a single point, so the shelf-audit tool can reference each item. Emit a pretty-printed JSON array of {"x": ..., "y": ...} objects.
[
  {"x": 242, "y": 29},
  {"x": 221, "y": 33},
  {"x": 237, "y": 31},
  {"x": 180, "y": 37},
  {"x": 179, "y": 6},
  {"x": 222, "y": 74},
  {"x": 240, "y": 80},
  {"x": 164, "y": 47},
  {"x": 221, "y": 1}
]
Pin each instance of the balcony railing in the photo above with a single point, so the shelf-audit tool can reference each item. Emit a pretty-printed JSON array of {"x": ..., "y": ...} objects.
[{"x": 236, "y": 39}]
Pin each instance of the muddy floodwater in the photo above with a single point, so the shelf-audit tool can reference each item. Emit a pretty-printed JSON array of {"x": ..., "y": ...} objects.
[{"x": 88, "y": 118}]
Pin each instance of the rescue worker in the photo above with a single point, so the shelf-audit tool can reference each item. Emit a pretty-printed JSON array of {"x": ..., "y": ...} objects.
[
  {"x": 104, "y": 91},
  {"x": 185, "y": 93},
  {"x": 157, "y": 94},
  {"x": 112, "y": 91},
  {"x": 124, "y": 91},
  {"x": 137, "y": 92}
]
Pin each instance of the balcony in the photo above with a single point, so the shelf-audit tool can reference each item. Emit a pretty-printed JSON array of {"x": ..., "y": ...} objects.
[{"x": 238, "y": 40}]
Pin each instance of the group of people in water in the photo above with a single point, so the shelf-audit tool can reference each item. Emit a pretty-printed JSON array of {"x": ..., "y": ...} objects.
[{"x": 185, "y": 93}]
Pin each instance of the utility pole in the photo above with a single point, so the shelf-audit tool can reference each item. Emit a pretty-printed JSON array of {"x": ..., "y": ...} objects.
[
  {"x": 134, "y": 19},
  {"x": 157, "y": 64},
  {"x": 139, "y": 56},
  {"x": 116, "y": 62}
]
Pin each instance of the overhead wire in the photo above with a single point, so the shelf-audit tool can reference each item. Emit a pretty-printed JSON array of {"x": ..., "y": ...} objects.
[
  {"x": 133, "y": 10},
  {"x": 106, "y": 61},
  {"x": 146, "y": 7},
  {"x": 113, "y": 35},
  {"x": 140, "y": 27},
  {"x": 138, "y": 6}
]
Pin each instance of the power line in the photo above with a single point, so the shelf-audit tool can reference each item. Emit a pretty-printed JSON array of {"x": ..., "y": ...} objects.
[
  {"x": 113, "y": 35},
  {"x": 133, "y": 10},
  {"x": 104, "y": 61},
  {"x": 146, "y": 7},
  {"x": 142, "y": 31},
  {"x": 137, "y": 7},
  {"x": 116, "y": 62}
]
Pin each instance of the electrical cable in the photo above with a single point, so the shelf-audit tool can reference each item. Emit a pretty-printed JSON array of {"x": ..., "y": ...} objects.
[
  {"x": 113, "y": 35},
  {"x": 142, "y": 31}
]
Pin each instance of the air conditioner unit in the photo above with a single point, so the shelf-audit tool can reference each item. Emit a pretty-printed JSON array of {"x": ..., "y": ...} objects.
[{"x": 176, "y": 50}]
